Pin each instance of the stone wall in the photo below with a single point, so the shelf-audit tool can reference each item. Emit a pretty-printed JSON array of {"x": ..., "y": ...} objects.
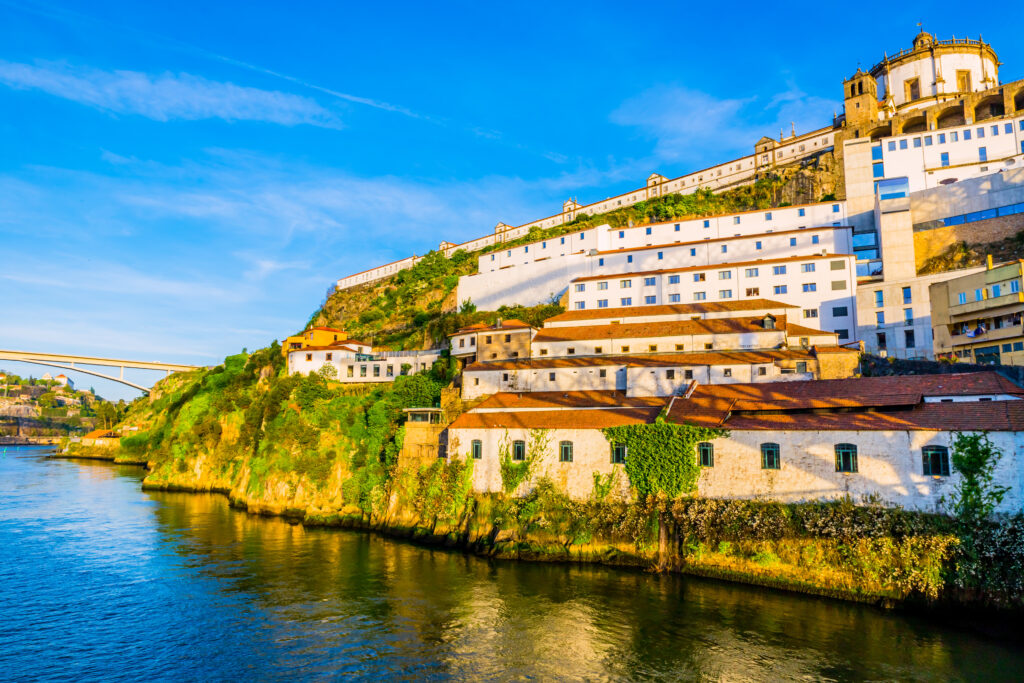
[{"x": 933, "y": 242}]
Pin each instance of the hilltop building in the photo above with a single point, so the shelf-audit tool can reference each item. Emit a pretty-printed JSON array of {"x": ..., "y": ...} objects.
[
  {"x": 649, "y": 350},
  {"x": 928, "y": 151}
]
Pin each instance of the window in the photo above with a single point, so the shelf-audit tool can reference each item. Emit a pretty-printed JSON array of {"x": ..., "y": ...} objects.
[
  {"x": 622, "y": 234},
  {"x": 769, "y": 456},
  {"x": 725, "y": 275},
  {"x": 600, "y": 261},
  {"x": 601, "y": 286},
  {"x": 673, "y": 279},
  {"x": 698, "y": 277},
  {"x": 725, "y": 248},
  {"x": 792, "y": 241},
  {"x": 519, "y": 450},
  {"x": 602, "y": 373},
  {"x": 838, "y": 285},
  {"x": 551, "y": 377},
  {"x": 362, "y": 371},
  {"x": 673, "y": 298},
  {"x": 757, "y": 245},
  {"x": 624, "y": 349},
  {"x": 309, "y": 356},
  {"x": 693, "y": 251},
  {"x": 677, "y": 227},
  {"x": 565, "y": 451},
  {"x": 980, "y": 132},
  {"x": 892, "y": 145},
  {"x": 602, "y": 303},
  {"x": 598, "y": 349},
  {"x": 626, "y": 301},
  {"x": 815, "y": 239},
  {"x": 835, "y": 207},
  {"x": 647, "y": 231},
  {"x": 908, "y": 338},
  {"x": 508, "y": 338},
  {"x": 670, "y": 374},
  {"x": 700, "y": 296},
  {"x": 778, "y": 270},
  {"x": 996, "y": 290},
  {"x": 810, "y": 313},
  {"x": 768, "y": 216},
  {"x": 906, "y": 295},
  {"x": 650, "y": 299},
  {"x": 751, "y": 272},
  {"x": 762, "y": 371},
  {"x": 753, "y": 291},
  {"x": 735, "y": 220},
  {"x": 810, "y": 287},
  {"x": 581, "y": 287},
  {"x": 477, "y": 448},
  {"x": 648, "y": 282},
  {"x": 927, "y": 140},
  {"x": 707, "y": 224},
  {"x": 801, "y": 212},
  {"x": 687, "y": 374},
  {"x": 629, "y": 258},
  {"x": 725, "y": 294},
  {"x": 580, "y": 305},
  {"x": 846, "y": 457},
  {"x": 840, "y": 312},
  {"x": 376, "y": 371},
  {"x": 962, "y": 297},
  {"x": 661, "y": 256},
  {"x": 571, "y": 351},
  {"x": 944, "y": 159},
  {"x": 625, "y": 284},
  {"x": 843, "y": 334},
  {"x": 879, "y": 300},
  {"x": 880, "y": 318},
  {"x": 878, "y": 170},
  {"x": 706, "y": 454},
  {"x": 967, "y": 135},
  {"x": 487, "y": 339},
  {"x": 652, "y": 348},
  {"x": 982, "y": 154},
  {"x": 351, "y": 371},
  {"x": 908, "y": 316},
  {"x": 781, "y": 289},
  {"x": 806, "y": 267},
  {"x": 942, "y": 138},
  {"x": 935, "y": 461},
  {"x": 618, "y": 453},
  {"x": 977, "y": 295}
]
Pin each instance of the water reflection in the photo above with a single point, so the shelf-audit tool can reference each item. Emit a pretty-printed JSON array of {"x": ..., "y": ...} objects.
[{"x": 187, "y": 586}]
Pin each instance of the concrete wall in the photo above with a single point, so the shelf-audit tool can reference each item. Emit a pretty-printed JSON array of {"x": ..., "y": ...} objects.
[{"x": 889, "y": 465}]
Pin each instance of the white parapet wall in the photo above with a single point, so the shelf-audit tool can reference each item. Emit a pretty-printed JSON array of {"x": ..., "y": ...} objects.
[{"x": 353, "y": 368}]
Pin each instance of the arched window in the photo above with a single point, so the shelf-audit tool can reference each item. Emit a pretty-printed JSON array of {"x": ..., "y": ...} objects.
[
  {"x": 477, "y": 449},
  {"x": 706, "y": 454},
  {"x": 519, "y": 450},
  {"x": 935, "y": 461},
  {"x": 846, "y": 457},
  {"x": 618, "y": 453},
  {"x": 770, "y": 459},
  {"x": 565, "y": 451}
]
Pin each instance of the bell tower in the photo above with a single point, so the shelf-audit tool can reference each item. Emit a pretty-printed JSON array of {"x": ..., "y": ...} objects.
[{"x": 860, "y": 101}]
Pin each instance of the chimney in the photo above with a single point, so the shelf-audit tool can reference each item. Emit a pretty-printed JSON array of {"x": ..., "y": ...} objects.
[{"x": 498, "y": 323}]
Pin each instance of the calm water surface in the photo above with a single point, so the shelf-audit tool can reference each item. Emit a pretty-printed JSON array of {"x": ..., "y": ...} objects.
[{"x": 100, "y": 580}]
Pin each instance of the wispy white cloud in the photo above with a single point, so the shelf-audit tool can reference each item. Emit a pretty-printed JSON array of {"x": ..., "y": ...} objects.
[
  {"x": 166, "y": 96},
  {"x": 688, "y": 125}
]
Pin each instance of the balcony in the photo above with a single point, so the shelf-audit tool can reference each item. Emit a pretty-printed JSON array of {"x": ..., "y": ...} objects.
[
  {"x": 991, "y": 336},
  {"x": 973, "y": 307}
]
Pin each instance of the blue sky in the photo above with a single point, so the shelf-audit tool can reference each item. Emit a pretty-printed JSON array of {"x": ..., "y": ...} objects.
[{"x": 182, "y": 180}]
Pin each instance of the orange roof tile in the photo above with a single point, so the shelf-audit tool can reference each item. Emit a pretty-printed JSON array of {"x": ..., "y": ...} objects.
[
  {"x": 556, "y": 419},
  {"x": 569, "y": 399},
  {"x": 645, "y": 360},
  {"x": 670, "y": 309},
  {"x": 673, "y": 328},
  {"x": 510, "y": 324}
]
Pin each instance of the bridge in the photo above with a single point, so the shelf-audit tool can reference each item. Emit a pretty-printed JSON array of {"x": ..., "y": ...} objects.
[{"x": 72, "y": 362}]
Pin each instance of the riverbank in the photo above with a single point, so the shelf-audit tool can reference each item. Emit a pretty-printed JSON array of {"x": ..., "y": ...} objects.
[{"x": 878, "y": 556}]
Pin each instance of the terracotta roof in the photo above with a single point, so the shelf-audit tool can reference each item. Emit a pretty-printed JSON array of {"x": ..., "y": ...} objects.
[
  {"x": 721, "y": 266},
  {"x": 511, "y": 324},
  {"x": 674, "y": 328},
  {"x": 556, "y": 419},
  {"x": 670, "y": 309},
  {"x": 759, "y": 235},
  {"x": 860, "y": 403},
  {"x": 569, "y": 399},
  {"x": 691, "y": 358}
]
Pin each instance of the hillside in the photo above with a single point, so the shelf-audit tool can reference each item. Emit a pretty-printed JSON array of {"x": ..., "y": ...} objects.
[{"x": 45, "y": 407}]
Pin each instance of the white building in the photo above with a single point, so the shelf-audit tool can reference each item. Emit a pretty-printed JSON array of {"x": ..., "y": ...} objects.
[
  {"x": 357, "y": 364},
  {"x": 886, "y": 437}
]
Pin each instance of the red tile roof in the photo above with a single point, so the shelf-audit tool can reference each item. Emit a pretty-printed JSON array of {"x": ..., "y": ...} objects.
[
  {"x": 511, "y": 324},
  {"x": 569, "y": 399},
  {"x": 675, "y": 328},
  {"x": 671, "y": 309},
  {"x": 556, "y": 419},
  {"x": 691, "y": 358}
]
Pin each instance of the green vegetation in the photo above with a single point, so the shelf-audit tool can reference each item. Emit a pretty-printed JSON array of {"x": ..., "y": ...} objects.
[{"x": 662, "y": 456}]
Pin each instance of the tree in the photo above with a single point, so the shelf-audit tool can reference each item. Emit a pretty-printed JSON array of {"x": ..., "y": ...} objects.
[
  {"x": 976, "y": 495},
  {"x": 47, "y": 400}
]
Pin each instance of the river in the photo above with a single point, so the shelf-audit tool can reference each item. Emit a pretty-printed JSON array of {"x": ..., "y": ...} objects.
[{"x": 101, "y": 580}]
